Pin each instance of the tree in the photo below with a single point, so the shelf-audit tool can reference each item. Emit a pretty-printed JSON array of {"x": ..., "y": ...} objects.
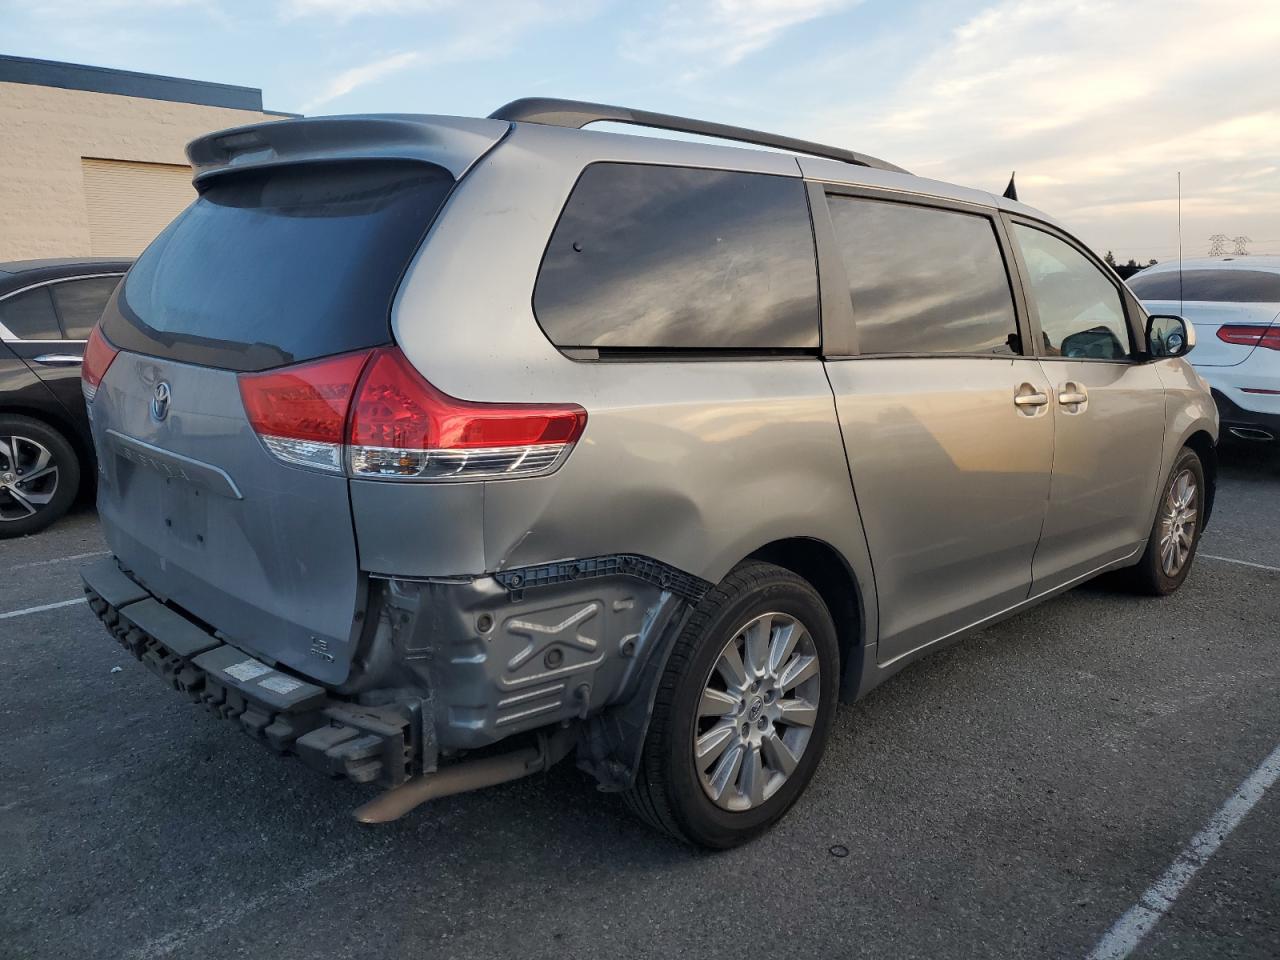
[{"x": 1110, "y": 259}]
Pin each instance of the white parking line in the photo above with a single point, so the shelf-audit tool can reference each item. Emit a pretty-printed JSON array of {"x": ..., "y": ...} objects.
[
  {"x": 1243, "y": 563},
  {"x": 1122, "y": 938},
  {"x": 45, "y": 563},
  {"x": 40, "y": 609}
]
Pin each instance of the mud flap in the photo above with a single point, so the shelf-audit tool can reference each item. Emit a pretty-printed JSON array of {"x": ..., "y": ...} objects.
[{"x": 610, "y": 744}]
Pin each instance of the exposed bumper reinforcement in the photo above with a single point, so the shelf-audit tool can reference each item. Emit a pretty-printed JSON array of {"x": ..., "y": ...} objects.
[{"x": 365, "y": 744}]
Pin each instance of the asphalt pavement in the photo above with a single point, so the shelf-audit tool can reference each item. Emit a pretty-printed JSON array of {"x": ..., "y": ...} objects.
[{"x": 1011, "y": 796}]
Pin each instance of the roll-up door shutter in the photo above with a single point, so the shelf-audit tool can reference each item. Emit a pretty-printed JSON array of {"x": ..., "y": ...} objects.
[{"x": 130, "y": 202}]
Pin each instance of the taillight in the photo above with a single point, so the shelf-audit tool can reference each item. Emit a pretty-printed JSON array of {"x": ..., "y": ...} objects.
[
  {"x": 301, "y": 412},
  {"x": 1251, "y": 336},
  {"x": 404, "y": 428},
  {"x": 374, "y": 414},
  {"x": 98, "y": 354}
]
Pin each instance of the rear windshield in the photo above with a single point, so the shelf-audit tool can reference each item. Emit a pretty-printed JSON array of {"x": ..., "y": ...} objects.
[
  {"x": 1213, "y": 286},
  {"x": 274, "y": 267}
]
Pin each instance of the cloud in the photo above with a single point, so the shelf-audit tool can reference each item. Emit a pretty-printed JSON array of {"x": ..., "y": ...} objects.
[
  {"x": 59, "y": 8},
  {"x": 469, "y": 32},
  {"x": 1097, "y": 104},
  {"x": 703, "y": 35},
  {"x": 349, "y": 80},
  {"x": 344, "y": 10}
]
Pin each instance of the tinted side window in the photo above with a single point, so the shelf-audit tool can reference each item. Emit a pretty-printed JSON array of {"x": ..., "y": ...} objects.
[
  {"x": 1081, "y": 313},
  {"x": 924, "y": 280},
  {"x": 1213, "y": 286},
  {"x": 80, "y": 303},
  {"x": 30, "y": 315},
  {"x": 677, "y": 258}
]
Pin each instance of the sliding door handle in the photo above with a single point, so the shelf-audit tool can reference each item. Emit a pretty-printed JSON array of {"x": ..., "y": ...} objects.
[{"x": 1073, "y": 397}]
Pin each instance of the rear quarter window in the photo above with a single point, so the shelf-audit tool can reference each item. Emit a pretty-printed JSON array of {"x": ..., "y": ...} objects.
[
  {"x": 80, "y": 303},
  {"x": 675, "y": 258},
  {"x": 30, "y": 315}
]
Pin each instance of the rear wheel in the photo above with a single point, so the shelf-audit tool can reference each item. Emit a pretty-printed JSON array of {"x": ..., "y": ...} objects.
[
  {"x": 742, "y": 711},
  {"x": 1176, "y": 532},
  {"x": 39, "y": 475}
]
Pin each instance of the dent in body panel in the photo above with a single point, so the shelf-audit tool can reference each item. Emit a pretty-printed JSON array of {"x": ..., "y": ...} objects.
[
  {"x": 418, "y": 529},
  {"x": 696, "y": 482},
  {"x": 696, "y": 464}
]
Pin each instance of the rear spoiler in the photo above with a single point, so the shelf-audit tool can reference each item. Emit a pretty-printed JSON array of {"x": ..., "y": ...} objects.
[{"x": 454, "y": 143}]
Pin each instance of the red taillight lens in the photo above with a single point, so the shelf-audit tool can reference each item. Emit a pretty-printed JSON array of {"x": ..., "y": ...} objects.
[
  {"x": 301, "y": 412},
  {"x": 396, "y": 425},
  {"x": 98, "y": 354},
  {"x": 402, "y": 426},
  {"x": 1251, "y": 336}
]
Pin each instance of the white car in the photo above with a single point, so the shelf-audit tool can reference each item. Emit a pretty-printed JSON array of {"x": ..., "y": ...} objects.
[{"x": 1234, "y": 303}]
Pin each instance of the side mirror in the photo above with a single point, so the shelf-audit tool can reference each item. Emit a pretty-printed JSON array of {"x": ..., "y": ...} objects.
[{"x": 1169, "y": 336}]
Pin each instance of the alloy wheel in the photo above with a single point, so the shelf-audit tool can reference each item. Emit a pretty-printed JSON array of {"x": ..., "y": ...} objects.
[
  {"x": 757, "y": 711},
  {"x": 28, "y": 477},
  {"x": 1178, "y": 523}
]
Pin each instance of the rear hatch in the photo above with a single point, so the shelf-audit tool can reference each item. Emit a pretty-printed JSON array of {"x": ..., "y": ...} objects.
[
  {"x": 292, "y": 252},
  {"x": 1226, "y": 333}
]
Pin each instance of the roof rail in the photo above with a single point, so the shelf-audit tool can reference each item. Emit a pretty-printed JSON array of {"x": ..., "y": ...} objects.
[{"x": 579, "y": 113}]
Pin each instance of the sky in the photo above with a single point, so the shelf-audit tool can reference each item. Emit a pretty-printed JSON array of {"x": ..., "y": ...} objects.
[{"x": 1096, "y": 104}]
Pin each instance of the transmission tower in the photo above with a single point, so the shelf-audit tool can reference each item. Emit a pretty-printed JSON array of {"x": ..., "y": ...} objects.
[
  {"x": 1218, "y": 244},
  {"x": 1241, "y": 250}
]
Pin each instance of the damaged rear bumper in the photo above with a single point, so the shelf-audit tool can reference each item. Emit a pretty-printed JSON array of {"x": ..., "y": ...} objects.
[
  {"x": 446, "y": 666},
  {"x": 342, "y": 739}
]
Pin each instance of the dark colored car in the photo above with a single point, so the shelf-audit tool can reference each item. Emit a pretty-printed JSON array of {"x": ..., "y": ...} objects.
[{"x": 47, "y": 308}]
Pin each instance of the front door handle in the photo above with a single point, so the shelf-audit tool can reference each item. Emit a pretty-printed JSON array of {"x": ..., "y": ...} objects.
[{"x": 1031, "y": 399}]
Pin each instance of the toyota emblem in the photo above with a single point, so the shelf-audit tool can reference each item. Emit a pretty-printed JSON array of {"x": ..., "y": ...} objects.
[{"x": 160, "y": 401}]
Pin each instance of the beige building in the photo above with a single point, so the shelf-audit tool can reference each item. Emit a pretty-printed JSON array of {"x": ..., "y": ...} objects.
[{"x": 91, "y": 159}]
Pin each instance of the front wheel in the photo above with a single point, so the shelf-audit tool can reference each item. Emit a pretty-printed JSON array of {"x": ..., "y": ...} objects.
[
  {"x": 39, "y": 475},
  {"x": 1175, "y": 535},
  {"x": 742, "y": 712}
]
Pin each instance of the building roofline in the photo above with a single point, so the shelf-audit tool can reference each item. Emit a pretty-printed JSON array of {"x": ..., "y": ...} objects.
[{"x": 127, "y": 83}]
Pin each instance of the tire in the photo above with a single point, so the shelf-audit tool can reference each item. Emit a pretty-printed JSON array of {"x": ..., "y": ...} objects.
[
  {"x": 669, "y": 791},
  {"x": 1151, "y": 576},
  {"x": 28, "y": 506}
]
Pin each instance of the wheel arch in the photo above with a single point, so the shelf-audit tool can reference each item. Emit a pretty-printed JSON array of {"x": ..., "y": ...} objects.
[
  {"x": 610, "y": 746},
  {"x": 1203, "y": 444},
  {"x": 827, "y": 570}
]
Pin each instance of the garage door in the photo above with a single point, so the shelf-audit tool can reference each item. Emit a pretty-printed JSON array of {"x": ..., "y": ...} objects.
[{"x": 129, "y": 203}]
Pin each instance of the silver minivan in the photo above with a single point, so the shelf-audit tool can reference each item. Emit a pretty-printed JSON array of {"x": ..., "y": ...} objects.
[{"x": 434, "y": 450}]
